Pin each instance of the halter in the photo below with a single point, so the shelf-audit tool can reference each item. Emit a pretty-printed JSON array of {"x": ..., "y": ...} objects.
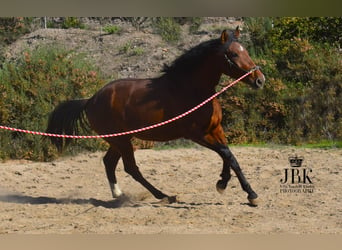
[{"x": 232, "y": 63}]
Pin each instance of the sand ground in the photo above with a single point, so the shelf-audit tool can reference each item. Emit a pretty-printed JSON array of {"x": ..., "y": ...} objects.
[{"x": 71, "y": 194}]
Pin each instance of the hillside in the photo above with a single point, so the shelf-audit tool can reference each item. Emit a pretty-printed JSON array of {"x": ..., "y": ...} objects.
[{"x": 130, "y": 53}]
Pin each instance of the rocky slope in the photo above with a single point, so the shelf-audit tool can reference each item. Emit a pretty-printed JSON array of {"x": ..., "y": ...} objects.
[{"x": 131, "y": 53}]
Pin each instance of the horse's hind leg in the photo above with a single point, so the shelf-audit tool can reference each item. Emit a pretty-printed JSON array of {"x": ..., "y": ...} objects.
[
  {"x": 110, "y": 161},
  {"x": 127, "y": 153}
]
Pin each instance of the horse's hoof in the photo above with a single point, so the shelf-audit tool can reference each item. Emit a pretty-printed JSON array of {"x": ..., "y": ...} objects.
[
  {"x": 168, "y": 200},
  {"x": 220, "y": 186},
  {"x": 253, "y": 202},
  {"x": 253, "y": 199},
  {"x": 220, "y": 190},
  {"x": 172, "y": 199}
]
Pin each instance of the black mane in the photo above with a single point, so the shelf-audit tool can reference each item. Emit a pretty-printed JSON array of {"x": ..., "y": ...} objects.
[{"x": 192, "y": 58}]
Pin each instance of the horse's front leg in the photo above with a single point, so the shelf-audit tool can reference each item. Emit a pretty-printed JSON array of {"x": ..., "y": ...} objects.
[
  {"x": 230, "y": 159},
  {"x": 216, "y": 141},
  {"x": 221, "y": 185}
]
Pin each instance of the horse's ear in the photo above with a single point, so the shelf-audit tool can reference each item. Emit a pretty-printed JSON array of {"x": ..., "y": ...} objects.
[
  {"x": 224, "y": 36},
  {"x": 237, "y": 32}
]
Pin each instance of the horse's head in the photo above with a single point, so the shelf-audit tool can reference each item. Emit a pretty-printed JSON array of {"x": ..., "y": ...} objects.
[{"x": 237, "y": 61}]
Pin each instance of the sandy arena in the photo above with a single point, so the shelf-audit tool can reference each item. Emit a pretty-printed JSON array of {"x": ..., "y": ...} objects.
[{"x": 71, "y": 194}]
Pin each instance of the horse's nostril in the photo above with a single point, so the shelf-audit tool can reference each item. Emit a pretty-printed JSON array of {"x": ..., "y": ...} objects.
[{"x": 259, "y": 82}]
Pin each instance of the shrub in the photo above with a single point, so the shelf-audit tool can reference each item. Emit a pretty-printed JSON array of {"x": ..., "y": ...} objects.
[
  {"x": 168, "y": 28},
  {"x": 195, "y": 24},
  {"x": 11, "y": 28},
  {"x": 301, "y": 101},
  {"x": 131, "y": 50},
  {"x": 72, "y": 22},
  {"x": 258, "y": 30},
  {"x": 65, "y": 23},
  {"x": 112, "y": 29},
  {"x": 137, "y": 22},
  {"x": 31, "y": 88}
]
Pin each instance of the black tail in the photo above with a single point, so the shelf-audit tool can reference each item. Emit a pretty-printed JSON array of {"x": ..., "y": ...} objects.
[{"x": 66, "y": 119}]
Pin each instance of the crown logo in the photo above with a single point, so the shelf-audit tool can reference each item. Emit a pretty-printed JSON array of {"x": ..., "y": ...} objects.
[{"x": 296, "y": 161}]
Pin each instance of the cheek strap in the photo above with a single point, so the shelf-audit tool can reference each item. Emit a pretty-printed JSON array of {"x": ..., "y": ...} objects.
[{"x": 233, "y": 64}]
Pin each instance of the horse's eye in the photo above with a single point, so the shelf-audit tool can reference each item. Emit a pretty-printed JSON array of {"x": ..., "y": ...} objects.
[{"x": 233, "y": 54}]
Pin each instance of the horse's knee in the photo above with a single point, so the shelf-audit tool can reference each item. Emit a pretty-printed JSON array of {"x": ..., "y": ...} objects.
[
  {"x": 226, "y": 154},
  {"x": 230, "y": 159}
]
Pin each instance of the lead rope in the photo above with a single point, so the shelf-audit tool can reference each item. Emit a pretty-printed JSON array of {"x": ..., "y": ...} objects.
[{"x": 135, "y": 130}]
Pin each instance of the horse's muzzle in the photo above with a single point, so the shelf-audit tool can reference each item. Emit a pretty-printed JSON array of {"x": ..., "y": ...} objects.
[{"x": 259, "y": 82}]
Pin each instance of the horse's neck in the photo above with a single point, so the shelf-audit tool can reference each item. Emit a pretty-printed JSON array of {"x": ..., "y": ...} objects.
[{"x": 205, "y": 80}]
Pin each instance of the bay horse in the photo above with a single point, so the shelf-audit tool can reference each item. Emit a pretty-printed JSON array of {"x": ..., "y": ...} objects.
[{"x": 128, "y": 104}]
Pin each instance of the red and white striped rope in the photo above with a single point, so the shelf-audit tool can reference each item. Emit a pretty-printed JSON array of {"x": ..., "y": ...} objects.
[{"x": 135, "y": 130}]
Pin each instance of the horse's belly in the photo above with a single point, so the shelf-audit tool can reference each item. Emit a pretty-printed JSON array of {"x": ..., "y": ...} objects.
[{"x": 163, "y": 133}]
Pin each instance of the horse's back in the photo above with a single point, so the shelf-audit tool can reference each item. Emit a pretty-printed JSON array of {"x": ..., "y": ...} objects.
[
  {"x": 106, "y": 110},
  {"x": 129, "y": 104}
]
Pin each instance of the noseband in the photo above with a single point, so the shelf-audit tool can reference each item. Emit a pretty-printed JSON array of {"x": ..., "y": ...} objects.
[{"x": 233, "y": 64}]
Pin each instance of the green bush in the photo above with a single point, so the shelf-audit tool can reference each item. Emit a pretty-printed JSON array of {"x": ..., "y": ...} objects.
[
  {"x": 112, "y": 29},
  {"x": 137, "y": 22},
  {"x": 324, "y": 30},
  {"x": 11, "y": 28},
  {"x": 168, "y": 28},
  {"x": 131, "y": 50},
  {"x": 66, "y": 23},
  {"x": 302, "y": 99},
  {"x": 72, "y": 22},
  {"x": 31, "y": 88},
  {"x": 258, "y": 32},
  {"x": 195, "y": 24}
]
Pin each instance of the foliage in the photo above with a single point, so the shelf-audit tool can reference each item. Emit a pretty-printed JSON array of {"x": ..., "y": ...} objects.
[
  {"x": 301, "y": 102},
  {"x": 136, "y": 22},
  {"x": 112, "y": 29},
  {"x": 131, "y": 50},
  {"x": 11, "y": 28},
  {"x": 66, "y": 23},
  {"x": 195, "y": 23},
  {"x": 31, "y": 88},
  {"x": 168, "y": 28},
  {"x": 72, "y": 22},
  {"x": 315, "y": 29},
  {"x": 276, "y": 34},
  {"x": 258, "y": 30}
]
